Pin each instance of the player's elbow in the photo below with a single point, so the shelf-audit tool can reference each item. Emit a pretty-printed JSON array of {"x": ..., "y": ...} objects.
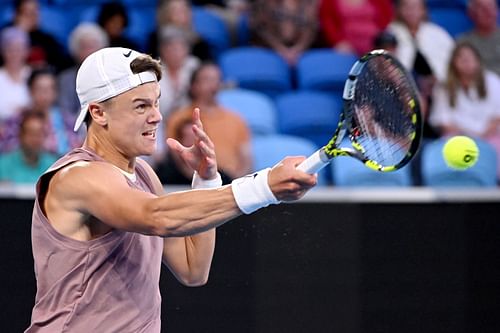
[{"x": 198, "y": 281}]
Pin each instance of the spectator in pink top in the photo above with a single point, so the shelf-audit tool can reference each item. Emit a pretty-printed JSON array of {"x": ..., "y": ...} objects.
[{"x": 352, "y": 25}]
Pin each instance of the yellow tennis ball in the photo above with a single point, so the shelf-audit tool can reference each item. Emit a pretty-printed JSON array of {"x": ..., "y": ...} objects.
[{"x": 460, "y": 152}]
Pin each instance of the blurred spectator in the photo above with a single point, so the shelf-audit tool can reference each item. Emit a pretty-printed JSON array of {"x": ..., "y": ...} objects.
[
  {"x": 14, "y": 46},
  {"x": 178, "y": 66},
  {"x": 486, "y": 34},
  {"x": 178, "y": 13},
  {"x": 113, "y": 18},
  {"x": 25, "y": 164},
  {"x": 351, "y": 25},
  {"x": 469, "y": 102},
  {"x": 424, "y": 48},
  {"x": 289, "y": 27},
  {"x": 44, "y": 49},
  {"x": 60, "y": 137},
  {"x": 231, "y": 11},
  {"x": 228, "y": 131},
  {"x": 85, "y": 39},
  {"x": 173, "y": 170},
  {"x": 385, "y": 40}
]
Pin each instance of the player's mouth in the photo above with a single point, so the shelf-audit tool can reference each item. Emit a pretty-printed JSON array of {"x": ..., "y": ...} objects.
[{"x": 150, "y": 134}]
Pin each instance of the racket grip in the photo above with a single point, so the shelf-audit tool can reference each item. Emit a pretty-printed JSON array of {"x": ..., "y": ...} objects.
[{"x": 315, "y": 162}]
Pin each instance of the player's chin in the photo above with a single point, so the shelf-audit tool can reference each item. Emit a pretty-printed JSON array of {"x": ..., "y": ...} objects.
[{"x": 148, "y": 148}]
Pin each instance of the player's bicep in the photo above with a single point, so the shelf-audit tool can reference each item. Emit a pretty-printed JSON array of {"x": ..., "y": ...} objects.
[{"x": 96, "y": 189}]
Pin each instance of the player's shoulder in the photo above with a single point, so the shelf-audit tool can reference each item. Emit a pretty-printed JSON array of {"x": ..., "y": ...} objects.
[{"x": 82, "y": 174}]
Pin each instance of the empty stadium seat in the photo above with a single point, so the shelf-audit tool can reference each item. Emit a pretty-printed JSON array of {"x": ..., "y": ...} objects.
[
  {"x": 212, "y": 28},
  {"x": 270, "y": 149},
  {"x": 257, "y": 69},
  {"x": 436, "y": 173},
  {"x": 257, "y": 109},
  {"x": 324, "y": 69},
  {"x": 453, "y": 20},
  {"x": 56, "y": 21},
  {"x": 350, "y": 172},
  {"x": 310, "y": 114}
]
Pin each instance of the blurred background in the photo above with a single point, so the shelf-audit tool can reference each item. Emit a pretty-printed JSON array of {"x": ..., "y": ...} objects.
[{"x": 411, "y": 251}]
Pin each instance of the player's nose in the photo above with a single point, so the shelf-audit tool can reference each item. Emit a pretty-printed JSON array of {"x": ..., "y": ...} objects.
[{"x": 155, "y": 116}]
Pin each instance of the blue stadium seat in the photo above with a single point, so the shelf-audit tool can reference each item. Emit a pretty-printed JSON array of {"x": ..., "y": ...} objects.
[
  {"x": 310, "y": 114},
  {"x": 142, "y": 21},
  {"x": 212, "y": 28},
  {"x": 446, "y": 4},
  {"x": 270, "y": 149},
  {"x": 257, "y": 69},
  {"x": 436, "y": 173},
  {"x": 256, "y": 108},
  {"x": 56, "y": 21},
  {"x": 324, "y": 69},
  {"x": 6, "y": 14},
  {"x": 78, "y": 2},
  {"x": 89, "y": 13},
  {"x": 453, "y": 20},
  {"x": 349, "y": 172}
]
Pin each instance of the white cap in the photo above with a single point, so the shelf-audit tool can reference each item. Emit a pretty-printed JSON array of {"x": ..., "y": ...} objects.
[{"x": 104, "y": 74}]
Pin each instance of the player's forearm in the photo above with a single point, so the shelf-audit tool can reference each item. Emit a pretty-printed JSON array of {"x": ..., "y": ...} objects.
[
  {"x": 189, "y": 258},
  {"x": 191, "y": 212},
  {"x": 199, "y": 252}
]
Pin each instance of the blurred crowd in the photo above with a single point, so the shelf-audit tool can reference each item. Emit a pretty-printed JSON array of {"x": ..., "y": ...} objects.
[{"x": 457, "y": 73}]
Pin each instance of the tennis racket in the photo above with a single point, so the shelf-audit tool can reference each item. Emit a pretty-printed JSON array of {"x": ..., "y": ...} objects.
[{"x": 381, "y": 117}]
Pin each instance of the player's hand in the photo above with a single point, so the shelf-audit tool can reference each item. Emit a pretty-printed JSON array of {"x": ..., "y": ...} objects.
[
  {"x": 201, "y": 155},
  {"x": 287, "y": 183}
]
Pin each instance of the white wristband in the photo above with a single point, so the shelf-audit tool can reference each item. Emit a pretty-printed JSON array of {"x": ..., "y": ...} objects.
[
  {"x": 199, "y": 182},
  {"x": 253, "y": 192}
]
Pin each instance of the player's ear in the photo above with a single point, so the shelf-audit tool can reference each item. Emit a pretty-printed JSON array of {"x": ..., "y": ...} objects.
[{"x": 98, "y": 113}]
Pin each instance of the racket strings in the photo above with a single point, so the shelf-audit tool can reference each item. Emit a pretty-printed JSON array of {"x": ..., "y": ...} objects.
[{"x": 382, "y": 119}]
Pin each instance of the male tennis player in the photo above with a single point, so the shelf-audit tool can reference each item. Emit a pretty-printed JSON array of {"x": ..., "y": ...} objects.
[{"x": 101, "y": 223}]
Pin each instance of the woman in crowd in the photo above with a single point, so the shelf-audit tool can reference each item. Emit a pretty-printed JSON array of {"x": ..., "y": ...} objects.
[{"x": 468, "y": 102}]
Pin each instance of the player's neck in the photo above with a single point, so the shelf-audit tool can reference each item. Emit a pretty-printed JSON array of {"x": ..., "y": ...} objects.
[{"x": 107, "y": 151}]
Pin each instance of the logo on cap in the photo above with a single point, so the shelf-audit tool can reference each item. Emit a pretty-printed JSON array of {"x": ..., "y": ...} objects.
[{"x": 127, "y": 54}]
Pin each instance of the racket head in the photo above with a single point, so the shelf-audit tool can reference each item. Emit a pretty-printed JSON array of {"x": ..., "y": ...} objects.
[{"x": 381, "y": 114}]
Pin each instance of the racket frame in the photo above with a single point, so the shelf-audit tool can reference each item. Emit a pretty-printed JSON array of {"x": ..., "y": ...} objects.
[{"x": 332, "y": 149}]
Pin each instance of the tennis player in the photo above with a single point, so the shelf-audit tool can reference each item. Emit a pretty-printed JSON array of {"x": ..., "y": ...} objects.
[{"x": 101, "y": 222}]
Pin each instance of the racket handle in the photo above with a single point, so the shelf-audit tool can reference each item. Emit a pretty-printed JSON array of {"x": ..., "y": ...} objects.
[{"x": 315, "y": 162}]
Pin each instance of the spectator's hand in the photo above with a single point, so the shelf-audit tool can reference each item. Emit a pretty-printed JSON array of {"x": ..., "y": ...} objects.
[
  {"x": 201, "y": 155},
  {"x": 287, "y": 183}
]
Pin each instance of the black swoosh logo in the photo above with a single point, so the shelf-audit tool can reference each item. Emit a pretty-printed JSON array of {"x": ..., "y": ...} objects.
[{"x": 128, "y": 54}]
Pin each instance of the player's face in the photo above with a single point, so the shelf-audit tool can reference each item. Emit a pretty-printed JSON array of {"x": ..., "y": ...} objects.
[{"x": 133, "y": 119}]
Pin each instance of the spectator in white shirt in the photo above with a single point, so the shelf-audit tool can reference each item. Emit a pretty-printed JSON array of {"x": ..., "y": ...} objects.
[
  {"x": 14, "y": 93},
  {"x": 468, "y": 103}
]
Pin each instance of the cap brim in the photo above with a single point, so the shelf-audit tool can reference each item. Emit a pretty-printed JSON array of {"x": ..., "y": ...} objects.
[{"x": 81, "y": 117}]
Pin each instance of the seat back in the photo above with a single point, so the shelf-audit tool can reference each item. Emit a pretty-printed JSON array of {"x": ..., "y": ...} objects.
[
  {"x": 257, "y": 109},
  {"x": 436, "y": 173},
  {"x": 257, "y": 69}
]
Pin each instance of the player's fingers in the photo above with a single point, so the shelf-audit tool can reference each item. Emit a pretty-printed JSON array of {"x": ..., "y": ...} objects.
[
  {"x": 175, "y": 145},
  {"x": 202, "y": 136},
  {"x": 197, "y": 118},
  {"x": 206, "y": 150}
]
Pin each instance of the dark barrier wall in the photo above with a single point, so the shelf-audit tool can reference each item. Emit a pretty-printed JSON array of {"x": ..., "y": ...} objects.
[{"x": 317, "y": 267}]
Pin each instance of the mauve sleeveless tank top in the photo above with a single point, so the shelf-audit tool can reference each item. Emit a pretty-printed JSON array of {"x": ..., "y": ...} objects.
[{"x": 108, "y": 284}]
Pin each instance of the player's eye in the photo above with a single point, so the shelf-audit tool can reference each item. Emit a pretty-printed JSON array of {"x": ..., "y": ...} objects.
[{"x": 141, "y": 108}]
